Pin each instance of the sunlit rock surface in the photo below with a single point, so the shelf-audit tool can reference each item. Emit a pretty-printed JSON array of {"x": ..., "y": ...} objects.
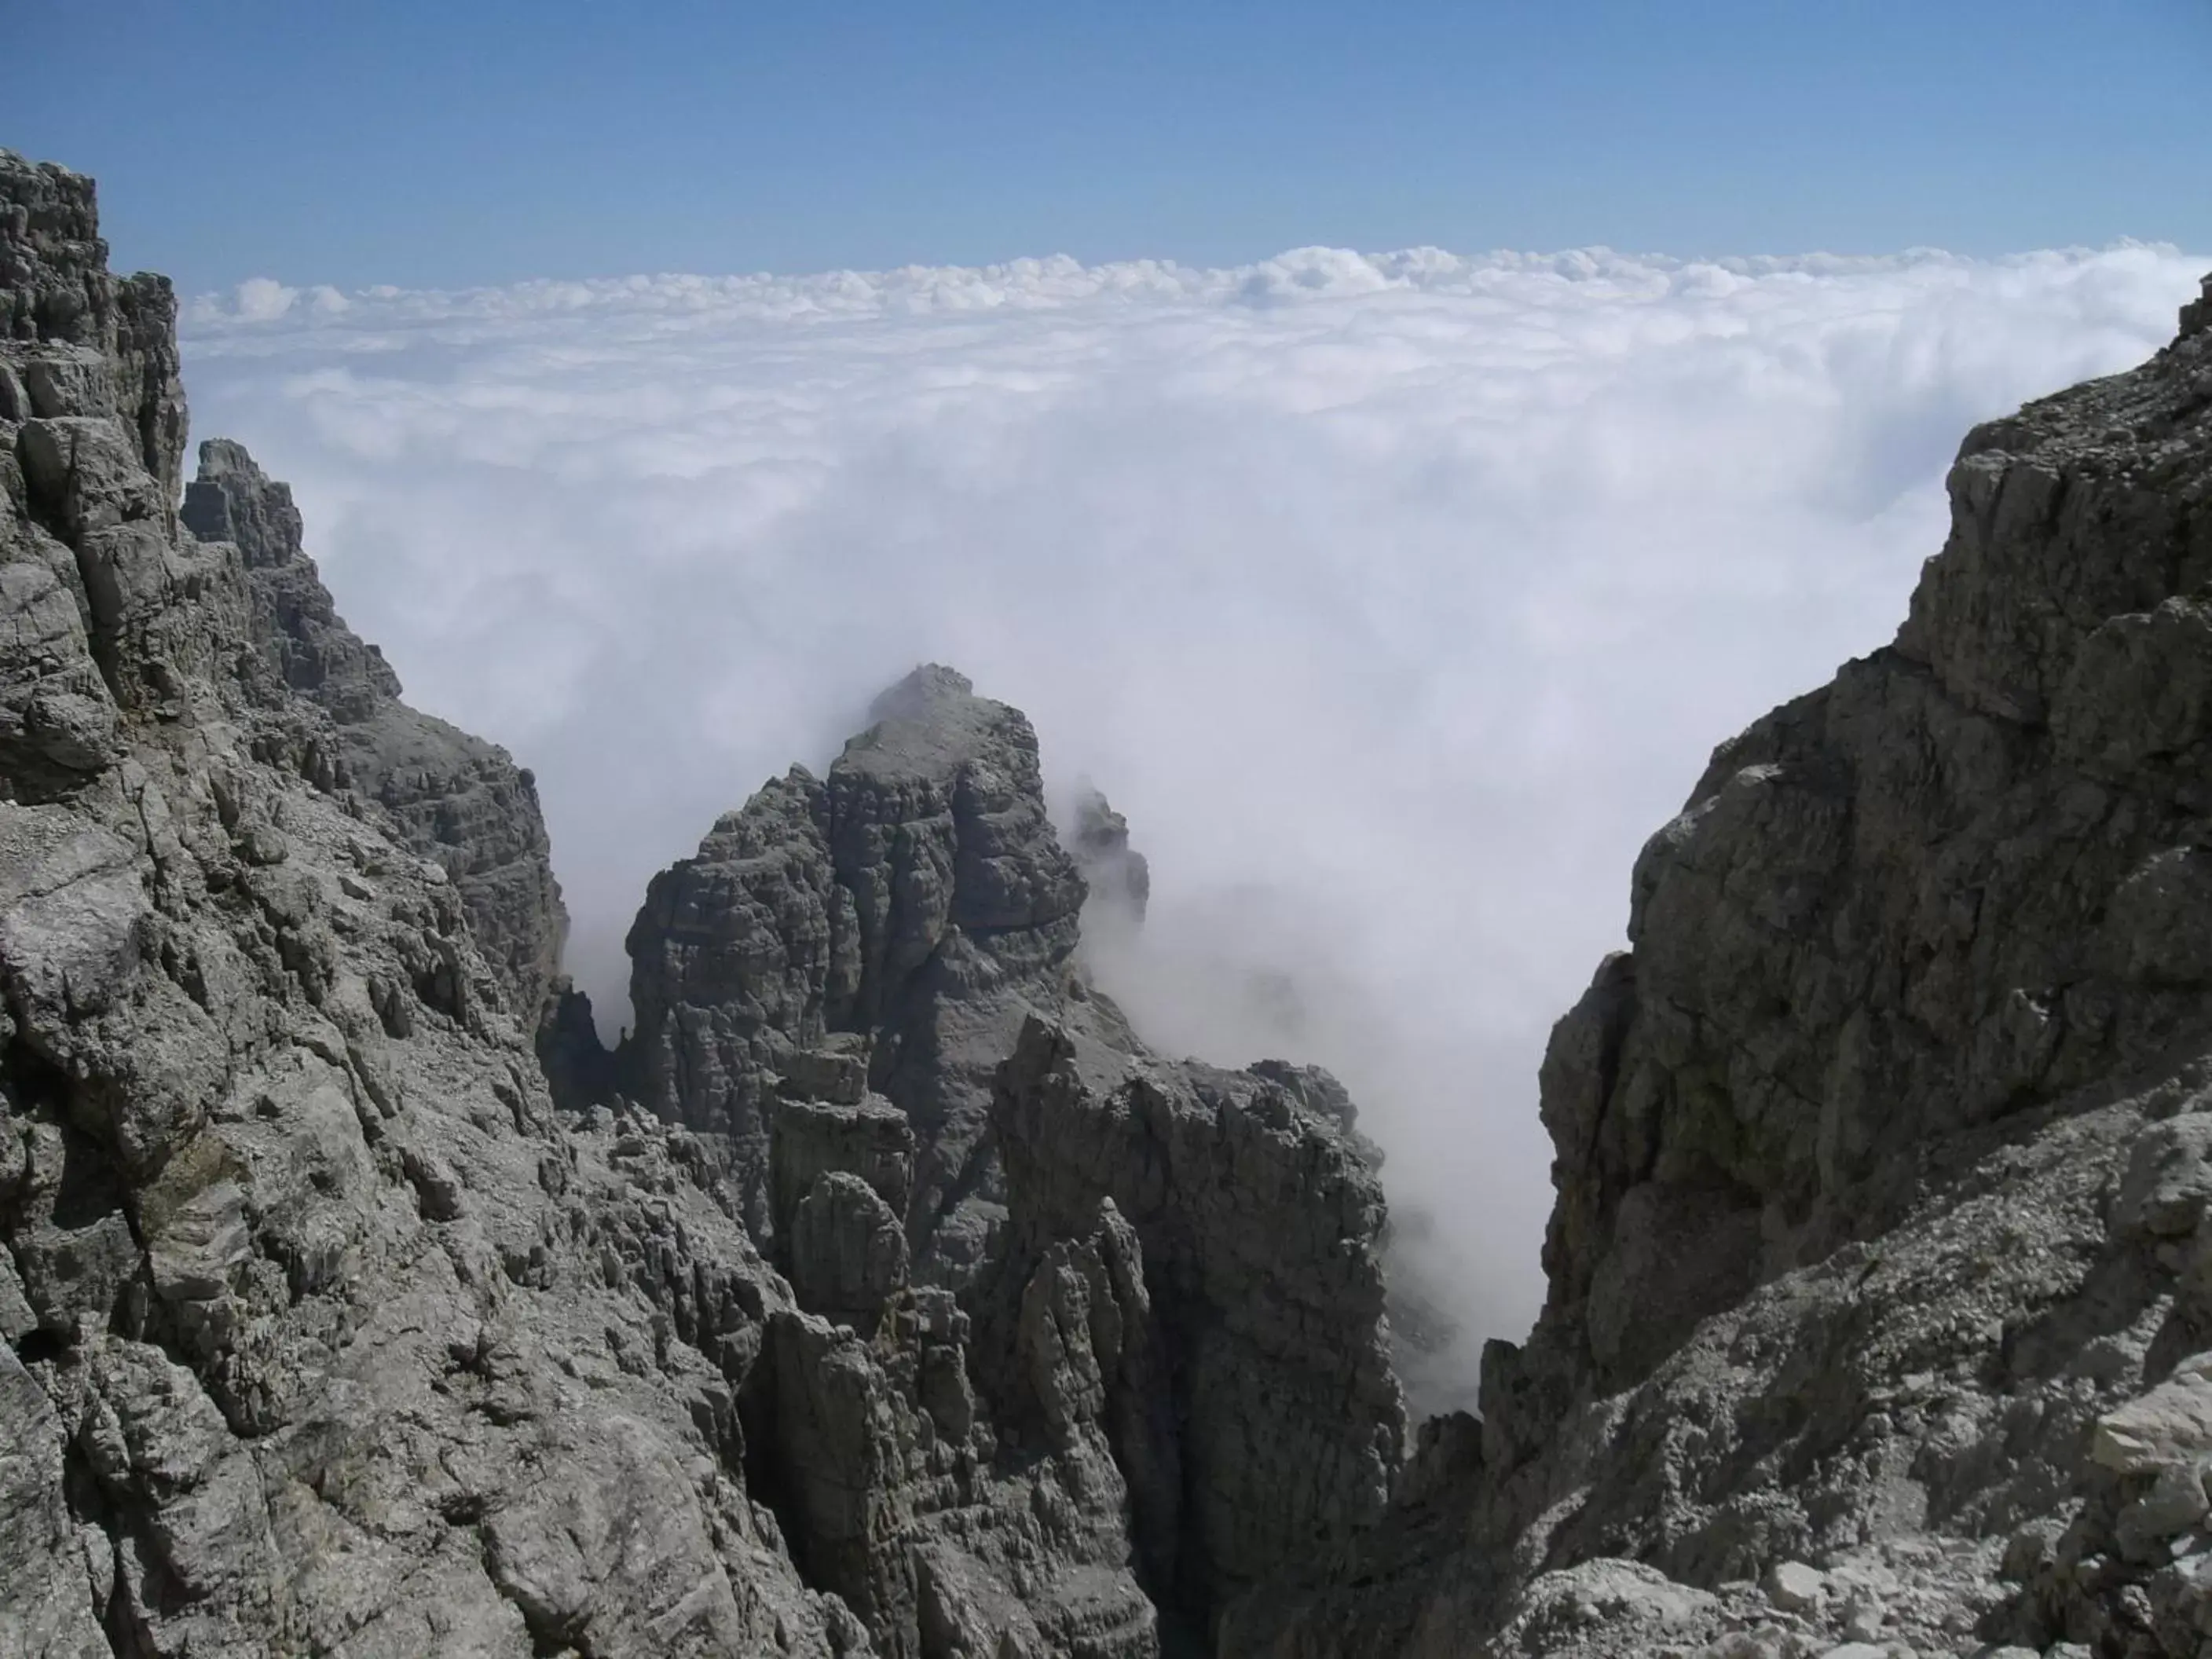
[
  {"x": 354, "y": 1301},
  {"x": 885, "y": 1294}
]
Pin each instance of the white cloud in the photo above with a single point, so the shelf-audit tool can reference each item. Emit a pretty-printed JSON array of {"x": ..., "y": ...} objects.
[
  {"x": 1395, "y": 598},
  {"x": 262, "y": 299}
]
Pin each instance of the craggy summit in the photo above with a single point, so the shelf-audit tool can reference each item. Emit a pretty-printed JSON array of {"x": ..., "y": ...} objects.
[
  {"x": 328, "y": 1331},
  {"x": 884, "y": 1294}
]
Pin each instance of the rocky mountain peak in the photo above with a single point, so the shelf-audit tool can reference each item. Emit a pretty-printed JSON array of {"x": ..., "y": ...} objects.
[
  {"x": 864, "y": 989},
  {"x": 916, "y": 897},
  {"x": 886, "y": 1294},
  {"x": 233, "y": 500},
  {"x": 1118, "y": 877},
  {"x": 324, "y": 1328},
  {"x": 930, "y": 728},
  {"x": 932, "y": 723},
  {"x": 2197, "y": 315},
  {"x": 930, "y": 684},
  {"x": 96, "y": 346}
]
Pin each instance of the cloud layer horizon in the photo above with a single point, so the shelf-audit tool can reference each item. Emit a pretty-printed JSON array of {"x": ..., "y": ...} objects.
[{"x": 1395, "y": 598}]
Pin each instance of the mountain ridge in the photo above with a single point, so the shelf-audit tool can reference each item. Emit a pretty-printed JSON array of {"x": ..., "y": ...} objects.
[
  {"x": 351, "y": 1305},
  {"x": 885, "y": 1293}
]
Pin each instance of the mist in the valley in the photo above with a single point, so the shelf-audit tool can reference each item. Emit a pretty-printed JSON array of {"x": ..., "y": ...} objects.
[{"x": 1394, "y": 601}]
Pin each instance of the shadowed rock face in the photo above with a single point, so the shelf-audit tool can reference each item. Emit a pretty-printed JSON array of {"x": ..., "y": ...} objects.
[
  {"x": 863, "y": 991},
  {"x": 1118, "y": 877},
  {"x": 916, "y": 897},
  {"x": 1212, "y": 1212},
  {"x": 323, "y": 1328},
  {"x": 1881, "y": 1155}
]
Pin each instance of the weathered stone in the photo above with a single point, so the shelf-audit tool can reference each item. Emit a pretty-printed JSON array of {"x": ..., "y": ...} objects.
[
  {"x": 48, "y": 1604},
  {"x": 913, "y": 905},
  {"x": 1119, "y": 879},
  {"x": 846, "y": 1252},
  {"x": 1259, "y": 1224},
  {"x": 1795, "y": 1586},
  {"x": 326, "y": 1331},
  {"x": 454, "y": 798},
  {"x": 870, "y": 1139},
  {"x": 1878, "y": 1236},
  {"x": 320, "y": 1333}
]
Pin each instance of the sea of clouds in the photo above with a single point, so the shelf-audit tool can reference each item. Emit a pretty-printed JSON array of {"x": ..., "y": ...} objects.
[{"x": 1395, "y": 598}]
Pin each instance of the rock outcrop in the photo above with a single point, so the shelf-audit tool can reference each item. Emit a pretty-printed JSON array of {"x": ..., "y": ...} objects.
[
  {"x": 863, "y": 991},
  {"x": 1119, "y": 876},
  {"x": 454, "y": 798},
  {"x": 886, "y": 1295},
  {"x": 916, "y": 899},
  {"x": 331, "y": 1322},
  {"x": 1198, "y": 1221},
  {"x": 321, "y": 1333},
  {"x": 1874, "y": 1272}
]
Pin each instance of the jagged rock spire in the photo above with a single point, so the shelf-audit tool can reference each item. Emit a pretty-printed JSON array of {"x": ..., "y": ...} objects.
[{"x": 916, "y": 896}]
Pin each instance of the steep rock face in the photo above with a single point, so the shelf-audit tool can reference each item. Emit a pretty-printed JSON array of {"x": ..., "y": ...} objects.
[
  {"x": 915, "y": 897},
  {"x": 320, "y": 1332},
  {"x": 865, "y": 990},
  {"x": 1881, "y": 1155},
  {"x": 1232, "y": 1238},
  {"x": 454, "y": 798},
  {"x": 323, "y": 1329},
  {"x": 107, "y": 346},
  {"x": 1118, "y": 876},
  {"x": 1961, "y": 879},
  {"x": 90, "y": 392},
  {"x": 945, "y": 1531}
]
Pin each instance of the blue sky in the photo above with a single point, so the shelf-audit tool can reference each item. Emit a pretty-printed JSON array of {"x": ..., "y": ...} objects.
[{"x": 443, "y": 144}]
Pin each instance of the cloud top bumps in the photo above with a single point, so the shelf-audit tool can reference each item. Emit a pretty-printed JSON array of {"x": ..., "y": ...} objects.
[{"x": 1395, "y": 599}]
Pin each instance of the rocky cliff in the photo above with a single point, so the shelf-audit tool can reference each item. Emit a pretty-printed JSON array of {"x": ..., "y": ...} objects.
[
  {"x": 916, "y": 1310},
  {"x": 321, "y": 1336},
  {"x": 885, "y": 1294},
  {"x": 1877, "y": 1310},
  {"x": 1159, "y": 1254},
  {"x": 916, "y": 900},
  {"x": 452, "y": 797}
]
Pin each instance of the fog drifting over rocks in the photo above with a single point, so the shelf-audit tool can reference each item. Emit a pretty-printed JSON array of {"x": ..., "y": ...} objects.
[{"x": 1395, "y": 599}]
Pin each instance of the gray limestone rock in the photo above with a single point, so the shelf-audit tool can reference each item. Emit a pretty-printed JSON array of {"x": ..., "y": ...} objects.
[
  {"x": 322, "y": 1334},
  {"x": 856, "y": 989},
  {"x": 330, "y": 1322},
  {"x": 454, "y": 798},
  {"x": 916, "y": 899},
  {"x": 904, "y": 1505},
  {"x": 846, "y": 1252},
  {"x": 1880, "y": 1177},
  {"x": 868, "y": 1138},
  {"x": 1119, "y": 878},
  {"x": 1259, "y": 1227}
]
